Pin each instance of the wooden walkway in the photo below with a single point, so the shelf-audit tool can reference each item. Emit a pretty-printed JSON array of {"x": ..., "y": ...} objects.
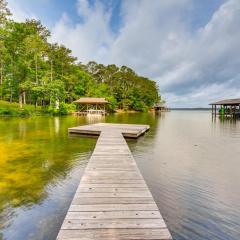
[{"x": 113, "y": 200}]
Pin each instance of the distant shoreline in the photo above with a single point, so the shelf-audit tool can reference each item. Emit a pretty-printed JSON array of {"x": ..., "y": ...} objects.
[{"x": 191, "y": 109}]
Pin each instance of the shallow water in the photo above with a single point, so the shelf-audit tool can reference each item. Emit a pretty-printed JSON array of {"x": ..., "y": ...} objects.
[{"x": 189, "y": 160}]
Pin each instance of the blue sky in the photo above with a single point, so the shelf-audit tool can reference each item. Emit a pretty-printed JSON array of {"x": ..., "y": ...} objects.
[
  {"x": 190, "y": 47},
  {"x": 50, "y": 11}
]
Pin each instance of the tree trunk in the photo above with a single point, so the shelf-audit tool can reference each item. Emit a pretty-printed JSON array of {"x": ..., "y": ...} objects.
[
  {"x": 62, "y": 71},
  {"x": 1, "y": 77},
  {"x": 11, "y": 94},
  {"x": 57, "y": 104},
  {"x": 13, "y": 74},
  {"x": 1, "y": 72},
  {"x": 24, "y": 97},
  {"x": 35, "y": 105},
  {"x": 36, "y": 69},
  {"x": 20, "y": 97},
  {"x": 51, "y": 71}
]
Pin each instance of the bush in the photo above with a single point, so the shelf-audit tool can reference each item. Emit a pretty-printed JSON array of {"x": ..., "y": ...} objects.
[
  {"x": 126, "y": 104},
  {"x": 52, "y": 110},
  {"x": 12, "y": 109},
  {"x": 112, "y": 103},
  {"x": 25, "y": 113},
  {"x": 65, "y": 108}
]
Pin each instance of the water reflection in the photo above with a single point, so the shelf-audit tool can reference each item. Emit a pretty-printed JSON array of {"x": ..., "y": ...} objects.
[
  {"x": 192, "y": 170},
  {"x": 35, "y": 157},
  {"x": 227, "y": 125},
  {"x": 57, "y": 124}
]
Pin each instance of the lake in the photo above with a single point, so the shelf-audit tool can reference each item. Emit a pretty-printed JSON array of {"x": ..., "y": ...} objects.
[{"x": 190, "y": 162}]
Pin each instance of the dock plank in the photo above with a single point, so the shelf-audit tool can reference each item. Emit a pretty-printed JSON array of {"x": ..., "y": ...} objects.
[
  {"x": 113, "y": 215},
  {"x": 111, "y": 190},
  {"x": 115, "y": 234},
  {"x": 109, "y": 200},
  {"x": 114, "y": 194},
  {"x": 113, "y": 207},
  {"x": 113, "y": 223}
]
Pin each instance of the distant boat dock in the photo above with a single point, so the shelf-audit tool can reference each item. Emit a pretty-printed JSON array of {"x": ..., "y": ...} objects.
[
  {"x": 112, "y": 200},
  {"x": 227, "y": 107}
]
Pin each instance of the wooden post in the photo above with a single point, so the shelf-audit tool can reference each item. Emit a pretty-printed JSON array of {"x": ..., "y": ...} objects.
[{"x": 215, "y": 109}]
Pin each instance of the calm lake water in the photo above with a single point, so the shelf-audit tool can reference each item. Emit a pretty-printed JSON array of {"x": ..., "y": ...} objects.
[{"x": 190, "y": 161}]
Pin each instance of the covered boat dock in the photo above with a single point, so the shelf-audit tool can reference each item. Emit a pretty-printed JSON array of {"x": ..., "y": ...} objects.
[
  {"x": 160, "y": 107},
  {"x": 91, "y": 106},
  {"x": 227, "y": 107}
]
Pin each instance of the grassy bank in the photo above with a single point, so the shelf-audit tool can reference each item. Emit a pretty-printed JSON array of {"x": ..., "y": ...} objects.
[{"x": 13, "y": 109}]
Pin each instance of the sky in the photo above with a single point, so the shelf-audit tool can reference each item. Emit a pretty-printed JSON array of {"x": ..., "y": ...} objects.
[{"x": 191, "y": 48}]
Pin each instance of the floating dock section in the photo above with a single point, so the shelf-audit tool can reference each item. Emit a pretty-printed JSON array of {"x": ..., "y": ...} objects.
[{"x": 112, "y": 200}]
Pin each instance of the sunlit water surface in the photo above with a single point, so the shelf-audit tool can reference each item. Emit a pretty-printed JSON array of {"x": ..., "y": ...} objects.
[{"x": 190, "y": 161}]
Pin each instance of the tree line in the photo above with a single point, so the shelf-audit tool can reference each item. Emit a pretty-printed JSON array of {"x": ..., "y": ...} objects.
[{"x": 35, "y": 71}]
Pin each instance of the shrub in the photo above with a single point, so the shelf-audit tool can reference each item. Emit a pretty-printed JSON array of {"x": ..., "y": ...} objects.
[{"x": 65, "y": 108}]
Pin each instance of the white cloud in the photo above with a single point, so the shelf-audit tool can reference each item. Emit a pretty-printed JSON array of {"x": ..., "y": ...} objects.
[
  {"x": 18, "y": 13},
  {"x": 89, "y": 39}
]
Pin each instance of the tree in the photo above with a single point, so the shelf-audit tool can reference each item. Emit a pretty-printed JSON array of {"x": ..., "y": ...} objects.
[{"x": 4, "y": 12}]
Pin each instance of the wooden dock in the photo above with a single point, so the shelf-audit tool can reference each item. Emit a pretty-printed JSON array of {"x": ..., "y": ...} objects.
[{"x": 113, "y": 200}]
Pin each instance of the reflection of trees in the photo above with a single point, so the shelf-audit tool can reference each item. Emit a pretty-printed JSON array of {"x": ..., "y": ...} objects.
[
  {"x": 226, "y": 124},
  {"x": 225, "y": 120},
  {"x": 139, "y": 118},
  {"x": 32, "y": 162},
  {"x": 134, "y": 118}
]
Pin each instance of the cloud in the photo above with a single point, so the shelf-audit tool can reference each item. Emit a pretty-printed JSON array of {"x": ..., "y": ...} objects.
[
  {"x": 89, "y": 39},
  {"x": 192, "y": 64},
  {"x": 18, "y": 13},
  {"x": 213, "y": 54}
]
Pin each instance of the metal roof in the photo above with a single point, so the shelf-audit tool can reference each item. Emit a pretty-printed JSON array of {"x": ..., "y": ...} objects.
[
  {"x": 235, "y": 101},
  {"x": 89, "y": 100}
]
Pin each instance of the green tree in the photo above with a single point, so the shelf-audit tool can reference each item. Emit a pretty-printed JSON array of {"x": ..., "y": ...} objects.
[{"x": 4, "y": 12}]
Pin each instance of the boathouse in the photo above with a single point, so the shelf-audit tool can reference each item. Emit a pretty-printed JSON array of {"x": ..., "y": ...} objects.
[
  {"x": 227, "y": 107},
  {"x": 89, "y": 105},
  {"x": 160, "y": 107}
]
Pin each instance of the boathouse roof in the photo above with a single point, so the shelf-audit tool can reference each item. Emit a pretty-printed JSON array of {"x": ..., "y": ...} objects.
[
  {"x": 235, "y": 101},
  {"x": 90, "y": 100}
]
